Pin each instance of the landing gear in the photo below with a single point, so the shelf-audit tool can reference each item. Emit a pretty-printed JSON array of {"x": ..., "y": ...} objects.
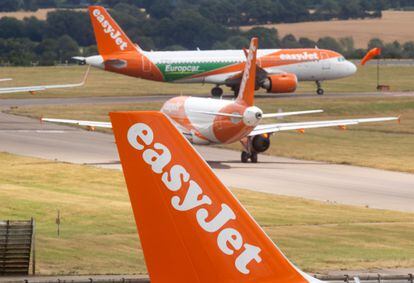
[
  {"x": 320, "y": 90},
  {"x": 217, "y": 91},
  {"x": 253, "y": 157},
  {"x": 245, "y": 156},
  {"x": 235, "y": 90}
]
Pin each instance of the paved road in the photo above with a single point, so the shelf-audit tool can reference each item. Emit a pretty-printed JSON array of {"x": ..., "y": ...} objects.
[
  {"x": 5, "y": 103},
  {"x": 313, "y": 180}
]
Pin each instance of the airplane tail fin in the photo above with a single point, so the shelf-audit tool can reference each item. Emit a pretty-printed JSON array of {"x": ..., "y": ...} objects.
[
  {"x": 110, "y": 38},
  {"x": 192, "y": 228},
  {"x": 248, "y": 83}
]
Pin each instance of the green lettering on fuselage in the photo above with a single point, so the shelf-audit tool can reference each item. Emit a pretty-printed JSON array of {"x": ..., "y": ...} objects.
[{"x": 177, "y": 71}]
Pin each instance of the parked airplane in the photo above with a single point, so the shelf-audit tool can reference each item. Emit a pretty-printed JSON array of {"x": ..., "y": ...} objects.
[
  {"x": 279, "y": 70},
  {"x": 33, "y": 89},
  {"x": 191, "y": 227},
  {"x": 216, "y": 121}
]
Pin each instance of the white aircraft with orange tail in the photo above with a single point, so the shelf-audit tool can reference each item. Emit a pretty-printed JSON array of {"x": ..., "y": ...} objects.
[
  {"x": 37, "y": 88},
  {"x": 192, "y": 228},
  {"x": 217, "y": 121},
  {"x": 279, "y": 70}
]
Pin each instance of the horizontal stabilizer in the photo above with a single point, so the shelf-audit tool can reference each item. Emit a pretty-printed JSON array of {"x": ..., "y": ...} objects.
[
  {"x": 272, "y": 128},
  {"x": 285, "y": 114}
]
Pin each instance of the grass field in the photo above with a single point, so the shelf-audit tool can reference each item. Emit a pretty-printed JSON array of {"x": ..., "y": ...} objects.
[
  {"x": 102, "y": 83},
  {"x": 394, "y": 25},
  {"x": 386, "y": 145},
  {"x": 98, "y": 235}
]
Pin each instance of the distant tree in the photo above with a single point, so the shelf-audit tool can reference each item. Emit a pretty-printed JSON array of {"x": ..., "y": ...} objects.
[
  {"x": 10, "y": 5},
  {"x": 329, "y": 7},
  {"x": 222, "y": 45},
  {"x": 329, "y": 43},
  {"x": 268, "y": 38},
  {"x": 306, "y": 42},
  {"x": 238, "y": 42},
  {"x": 392, "y": 50},
  {"x": 408, "y": 48},
  {"x": 75, "y": 24},
  {"x": 174, "y": 47},
  {"x": 29, "y": 5},
  {"x": 347, "y": 44},
  {"x": 11, "y": 28},
  {"x": 375, "y": 42},
  {"x": 47, "y": 51},
  {"x": 67, "y": 48},
  {"x": 46, "y": 3},
  {"x": 34, "y": 28},
  {"x": 289, "y": 41},
  {"x": 19, "y": 51}
]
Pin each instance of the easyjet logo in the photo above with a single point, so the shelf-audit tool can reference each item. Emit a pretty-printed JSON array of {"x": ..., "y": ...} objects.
[
  {"x": 108, "y": 29},
  {"x": 229, "y": 240},
  {"x": 300, "y": 56}
]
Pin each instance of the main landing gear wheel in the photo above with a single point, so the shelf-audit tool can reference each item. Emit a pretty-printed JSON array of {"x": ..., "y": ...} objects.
[
  {"x": 253, "y": 157},
  {"x": 320, "y": 90},
  {"x": 245, "y": 156},
  {"x": 217, "y": 91}
]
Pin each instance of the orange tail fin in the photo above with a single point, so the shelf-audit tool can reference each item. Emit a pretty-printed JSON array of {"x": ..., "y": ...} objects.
[
  {"x": 192, "y": 228},
  {"x": 110, "y": 38},
  {"x": 248, "y": 83}
]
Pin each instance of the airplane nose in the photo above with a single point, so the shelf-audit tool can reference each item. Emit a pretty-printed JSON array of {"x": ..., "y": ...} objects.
[{"x": 351, "y": 68}]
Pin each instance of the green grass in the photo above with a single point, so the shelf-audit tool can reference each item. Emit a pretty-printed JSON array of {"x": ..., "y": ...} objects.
[
  {"x": 387, "y": 145},
  {"x": 98, "y": 235},
  {"x": 102, "y": 83}
]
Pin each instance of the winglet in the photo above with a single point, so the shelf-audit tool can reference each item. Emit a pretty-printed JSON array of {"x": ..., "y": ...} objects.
[
  {"x": 248, "y": 83},
  {"x": 192, "y": 228}
]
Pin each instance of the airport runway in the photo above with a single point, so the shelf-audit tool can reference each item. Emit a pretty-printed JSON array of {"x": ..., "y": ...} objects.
[
  {"x": 312, "y": 180},
  {"x": 6, "y": 103}
]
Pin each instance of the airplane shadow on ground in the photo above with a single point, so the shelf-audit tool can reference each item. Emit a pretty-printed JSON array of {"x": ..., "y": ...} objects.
[
  {"x": 228, "y": 164},
  {"x": 260, "y": 165}
]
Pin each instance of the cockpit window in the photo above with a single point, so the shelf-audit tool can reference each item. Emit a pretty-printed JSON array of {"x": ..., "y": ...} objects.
[{"x": 341, "y": 59}]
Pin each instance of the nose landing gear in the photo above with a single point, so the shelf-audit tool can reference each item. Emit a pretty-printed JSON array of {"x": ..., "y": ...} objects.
[{"x": 319, "y": 90}]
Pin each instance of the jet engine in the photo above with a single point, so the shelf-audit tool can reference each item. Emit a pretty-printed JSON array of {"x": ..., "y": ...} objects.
[
  {"x": 283, "y": 83},
  {"x": 261, "y": 143}
]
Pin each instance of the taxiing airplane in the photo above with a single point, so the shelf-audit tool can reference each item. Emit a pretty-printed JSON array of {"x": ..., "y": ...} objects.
[
  {"x": 34, "y": 89},
  {"x": 192, "y": 228},
  {"x": 279, "y": 70},
  {"x": 217, "y": 121}
]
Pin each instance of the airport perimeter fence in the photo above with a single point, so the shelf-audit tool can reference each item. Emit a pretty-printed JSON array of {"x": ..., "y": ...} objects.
[{"x": 409, "y": 278}]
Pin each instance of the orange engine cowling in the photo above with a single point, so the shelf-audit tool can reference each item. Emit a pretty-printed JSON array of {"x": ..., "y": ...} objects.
[{"x": 283, "y": 83}]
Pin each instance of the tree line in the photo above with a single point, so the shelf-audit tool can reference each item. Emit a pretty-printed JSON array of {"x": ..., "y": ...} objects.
[
  {"x": 235, "y": 12},
  {"x": 67, "y": 33}
]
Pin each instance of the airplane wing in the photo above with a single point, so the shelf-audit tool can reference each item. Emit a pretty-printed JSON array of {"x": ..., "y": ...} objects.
[
  {"x": 91, "y": 124},
  {"x": 273, "y": 128},
  {"x": 33, "y": 89}
]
